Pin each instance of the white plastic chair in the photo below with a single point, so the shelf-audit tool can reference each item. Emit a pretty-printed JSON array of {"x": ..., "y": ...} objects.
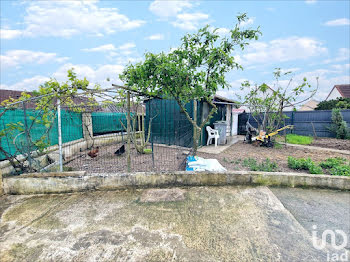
[{"x": 212, "y": 133}]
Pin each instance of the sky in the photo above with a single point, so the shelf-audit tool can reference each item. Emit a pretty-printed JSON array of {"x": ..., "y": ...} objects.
[{"x": 43, "y": 39}]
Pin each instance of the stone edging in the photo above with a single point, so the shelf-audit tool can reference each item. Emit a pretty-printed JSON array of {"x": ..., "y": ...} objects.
[
  {"x": 76, "y": 182},
  {"x": 317, "y": 148}
]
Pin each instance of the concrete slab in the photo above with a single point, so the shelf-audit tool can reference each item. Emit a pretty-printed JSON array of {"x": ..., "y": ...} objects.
[
  {"x": 212, "y": 149},
  {"x": 209, "y": 224},
  {"x": 325, "y": 209}
]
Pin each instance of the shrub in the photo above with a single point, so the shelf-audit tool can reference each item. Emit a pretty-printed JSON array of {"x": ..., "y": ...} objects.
[
  {"x": 339, "y": 126},
  {"x": 300, "y": 140},
  {"x": 300, "y": 163},
  {"x": 266, "y": 165},
  {"x": 341, "y": 170},
  {"x": 315, "y": 169},
  {"x": 332, "y": 162},
  {"x": 304, "y": 164}
]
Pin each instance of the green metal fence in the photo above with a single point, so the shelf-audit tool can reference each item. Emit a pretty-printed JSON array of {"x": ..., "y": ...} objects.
[
  {"x": 105, "y": 122},
  {"x": 71, "y": 128}
]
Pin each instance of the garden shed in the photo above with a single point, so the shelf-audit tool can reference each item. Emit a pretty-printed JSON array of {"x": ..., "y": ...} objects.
[{"x": 170, "y": 125}]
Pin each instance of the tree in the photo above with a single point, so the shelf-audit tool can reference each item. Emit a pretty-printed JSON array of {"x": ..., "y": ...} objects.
[
  {"x": 341, "y": 102},
  {"x": 44, "y": 100},
  {"x": 193, "y": 71},
  {"x": 267, "y": 104}
]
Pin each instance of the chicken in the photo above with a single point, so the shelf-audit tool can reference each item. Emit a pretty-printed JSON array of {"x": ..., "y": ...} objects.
[
  {"x": 120, "y": 151},
  {"x": 93, "y": 152}
]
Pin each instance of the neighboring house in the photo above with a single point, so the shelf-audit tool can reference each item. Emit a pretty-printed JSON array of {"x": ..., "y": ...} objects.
[
  {"x": 309, "y": 105},
  {"x": 15, "y": 94},
  {"x": 339, "y": 91}
]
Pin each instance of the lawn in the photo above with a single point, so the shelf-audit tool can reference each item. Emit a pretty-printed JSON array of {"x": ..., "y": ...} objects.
[{"x": 300, "y": 140}]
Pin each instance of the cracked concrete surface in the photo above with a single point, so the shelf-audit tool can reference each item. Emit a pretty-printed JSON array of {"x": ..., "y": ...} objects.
[{"x": 204, "y": 224}]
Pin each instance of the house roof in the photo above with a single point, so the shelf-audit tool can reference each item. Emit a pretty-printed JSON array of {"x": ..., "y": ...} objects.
[
  {"x": 15, "y": 94},
  {"x": 218, "y": 98},
  {"x": 344, "y": 90},
  {"x": 309, "y": 105}
]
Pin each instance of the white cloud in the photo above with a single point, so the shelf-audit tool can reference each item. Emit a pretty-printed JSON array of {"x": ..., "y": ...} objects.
[
  {"x": 98, "y": 75},
  {"x": 155, "y": 37},
  {"x": 94, "y": 75},
  {"x": 338, "y": 22},
  {"x": 67, "y": 18},
  {"x": 112, "y": 51},
  {"x": 166, "y": 9},
  {"x": 327, "y": 79},
  {"x": 310, "y": 1},
  {"x": 222, "y": 31},
  {"x": 343, "y": 55},
  {"x": 341, "y": 67},
  {"x": 127, "y": 46},
  {"x": 282, "y": 50},
  {"x": 102, "y": 48},
  {"x": 250, "y": 21},
  {"x": 28, "y": 84},
  {"x": 9, "y": 34},
  {"x": 15, "y": 58},
  {"x": 190, "y": 21}
]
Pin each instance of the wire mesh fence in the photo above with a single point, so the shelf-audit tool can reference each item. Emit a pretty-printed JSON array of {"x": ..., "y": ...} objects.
[{"x": 96, "y": 139}]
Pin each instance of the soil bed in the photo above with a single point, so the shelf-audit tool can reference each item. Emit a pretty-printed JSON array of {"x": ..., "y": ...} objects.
[
  {"x": 232, "y": 158},
  {"x": 341, "y": 144},
  {"x": 165, "y": 159}
]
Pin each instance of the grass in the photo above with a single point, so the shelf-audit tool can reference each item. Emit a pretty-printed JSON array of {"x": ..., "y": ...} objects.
[{"x": 300, "y": 140}]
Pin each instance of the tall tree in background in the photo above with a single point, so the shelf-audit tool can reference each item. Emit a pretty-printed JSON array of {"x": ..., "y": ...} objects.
[{"x": 193, "y": 71}]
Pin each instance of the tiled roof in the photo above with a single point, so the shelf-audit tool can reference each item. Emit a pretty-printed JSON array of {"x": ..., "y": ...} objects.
[{"x": 344, "y": 90}]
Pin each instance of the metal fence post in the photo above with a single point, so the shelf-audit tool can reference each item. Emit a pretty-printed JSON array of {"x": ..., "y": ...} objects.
[
  {"x": 59, "y": 134},
  {"x": 292, "y": 120},
  {"x": 128, "y": 132},
  {"x": 149, "y": 119},
  {"x": 27, "y": 135}
]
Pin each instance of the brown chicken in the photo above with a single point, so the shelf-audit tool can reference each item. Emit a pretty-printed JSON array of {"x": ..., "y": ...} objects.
[{"x": 93, "y": 152}]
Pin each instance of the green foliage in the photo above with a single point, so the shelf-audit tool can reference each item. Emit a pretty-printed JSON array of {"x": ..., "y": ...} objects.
[
  {"x": 342, "y": 103},
  {"x": 315, "y": 169},
  {"x": 341, "y": 170},
  {"x": 266, "y": 165},
  {"x": 339, "y": 126},
  {"x": 337, "y": 166},
  {"x": 332, "y": 162},
  {"x": 193, "y": 71},
  {"x": 45, "y": 102},
  {"x": 304, "y": 164},
  {"x": 300, "y": 140}
]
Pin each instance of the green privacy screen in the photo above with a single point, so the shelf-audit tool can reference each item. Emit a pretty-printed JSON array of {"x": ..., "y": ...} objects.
[
  {"x": 71, "y": 129},
  {"x": 105, "y": 122}
]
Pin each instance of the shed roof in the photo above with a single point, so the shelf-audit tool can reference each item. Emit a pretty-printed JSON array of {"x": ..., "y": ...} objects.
[{"x": 218, "y": 98}]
